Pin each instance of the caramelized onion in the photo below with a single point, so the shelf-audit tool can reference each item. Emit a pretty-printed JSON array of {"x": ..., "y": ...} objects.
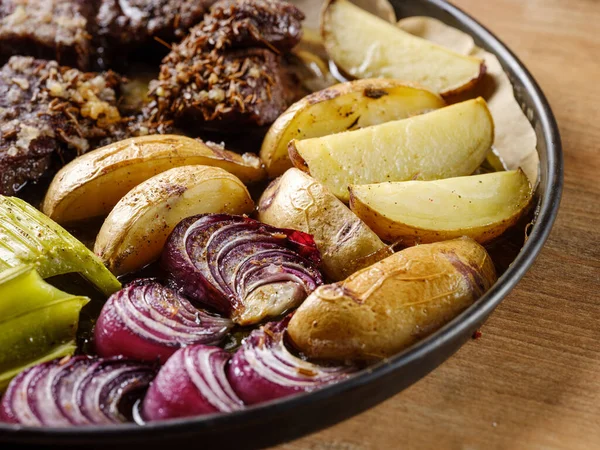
[
  {"x": 241, "y": 267},
  {"x": 264, "y": 369},
  {"x": 191, "y": 383},
  {"x": 146, "y": 321},
  {"x": 74, "y": 391}
]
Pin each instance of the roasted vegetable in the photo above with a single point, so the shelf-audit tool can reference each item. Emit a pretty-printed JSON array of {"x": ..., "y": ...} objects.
[
  {"x": 74, "y": 391},
  {"x": 263, "y": 369},
  {"x": 191, "y": 383},
  {"x": 365, "y": 46},
  {"x": 107, "y": 174},
  {"x": 389, "y": 306},
  {"x": 134, "y": 233},
  {"x": 300, "y": 202},
  {"x": 450, "y": 142},
  {"x": 147, "y": 321},
  {"x": 343, "y": 107},
  {"x": 481, "y": 207},
  {"x": 241, "y": 267},
  {"x": 29, "y": 237},
  {"x": 37, "y": 321}
]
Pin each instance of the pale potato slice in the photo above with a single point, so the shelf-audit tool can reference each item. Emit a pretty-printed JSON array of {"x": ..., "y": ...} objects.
[
  {"x": 439, "y": 33},
  {"x": 450, "y": 142},
  {"x": 392, "y": 304},
  {"x": 481, "y": 207},
  {"x": 92, "y": 184},
  {"x": 365, "y": 46},
  {"x": 345, "y": 106},
  {"x": 134, "y": 233},
  {"x": 299, "y": 202}
]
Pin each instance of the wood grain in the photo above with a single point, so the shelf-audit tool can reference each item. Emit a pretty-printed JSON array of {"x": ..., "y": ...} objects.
[{"x": 533, "y": 379}]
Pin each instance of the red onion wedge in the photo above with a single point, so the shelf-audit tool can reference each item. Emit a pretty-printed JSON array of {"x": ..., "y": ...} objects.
[
  {"x": 241, "y": 267},
  {"x": 263, "y": 368},
  {"x": 74, "y": 391},
  {"x": 147, "y": 321},
  {"x": 191, "y": 383}
]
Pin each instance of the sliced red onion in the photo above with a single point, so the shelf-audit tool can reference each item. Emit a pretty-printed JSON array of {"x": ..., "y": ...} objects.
[
  {"x": 147, "y": 320},
  {"x": 241, "y": 267},
  {"x": 263, "y": 368},
  {"x": 74, "y": 391},
  {"x": 191, "y": 383}
]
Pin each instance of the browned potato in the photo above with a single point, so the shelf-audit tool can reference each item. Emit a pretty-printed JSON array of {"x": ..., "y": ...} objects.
[
  {"x": 300, "y": 202},
  {"x": 107, "y": 174},
  {"x": 345, "y": 106},
  {"x": 390, "y": 305},
  {"x": 134, "y": 233}
]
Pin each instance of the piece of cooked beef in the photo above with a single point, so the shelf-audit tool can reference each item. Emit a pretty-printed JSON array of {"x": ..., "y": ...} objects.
[
  {"x": 94, "y": 33},
  {"x": 274, "y": 24},
  {"x": 46, "y": 108},
  {"x": 135, "y": 22},
  {"x": 49, "y": 29},
  {"x": 229, "y": 70}
]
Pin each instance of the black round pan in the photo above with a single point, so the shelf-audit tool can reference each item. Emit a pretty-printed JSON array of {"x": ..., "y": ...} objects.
[{"x": 284, "y": 420}]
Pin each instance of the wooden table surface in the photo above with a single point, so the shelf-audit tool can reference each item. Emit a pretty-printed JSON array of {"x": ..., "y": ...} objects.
[{"x": 533, "y": 379}]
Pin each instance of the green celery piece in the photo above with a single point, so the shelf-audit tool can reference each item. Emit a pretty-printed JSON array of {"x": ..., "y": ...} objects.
[
  {"x": 27, "y": 236},
  {"x": 59, "y": 352},
  {"x": 38, "y": 322}
]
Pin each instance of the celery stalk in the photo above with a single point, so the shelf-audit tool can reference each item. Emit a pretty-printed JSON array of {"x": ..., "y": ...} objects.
[
  {"x": 27, "y": 236},
  {"x": 38, "y": 322}
]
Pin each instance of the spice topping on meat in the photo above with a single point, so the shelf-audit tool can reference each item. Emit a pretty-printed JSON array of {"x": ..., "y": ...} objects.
[
  {"x": 47, "y": 108},
  {"x": 229, "y": 69}
]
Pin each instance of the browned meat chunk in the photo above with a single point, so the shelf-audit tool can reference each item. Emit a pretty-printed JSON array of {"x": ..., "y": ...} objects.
[
  {"x": 134, "y": 22},
  {"x": 47, "y": 108},
  {"x": 50, "y": 29},
  {"x": 255, "y": 23},
  {"x": 228, "y": 70}
]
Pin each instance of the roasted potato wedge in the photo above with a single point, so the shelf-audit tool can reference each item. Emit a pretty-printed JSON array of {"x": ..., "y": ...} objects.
[
  {"x": 134, "y": 233},
  {"x": 107, "y": 174},
  {"x": 366, "y": 46},
  {"x": 343, "y": 107},
  {"x": 298, "y": 201},
  {"x": 481, "y": 207},
  {"x": 389, "y": 306},
  {"x": 452, "y": 141}
]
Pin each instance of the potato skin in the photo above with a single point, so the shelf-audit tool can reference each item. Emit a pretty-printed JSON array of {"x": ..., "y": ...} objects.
[
  {"x": 134, "y": 233},
  {"x": 347, "y": 106},
  {"x": 108, "y": 173},
  {"x": 390, "y": 305},
  {"x": 297, "y": 201}
]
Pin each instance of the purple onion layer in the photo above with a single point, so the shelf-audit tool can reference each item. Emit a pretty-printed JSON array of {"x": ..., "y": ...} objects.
[
  {"x": 241, "y": 267},
  {"x": 192, "y": 383},
  {"x": 148, "y": 321},
  {"x": 74, "y": 391},
  {"x": 264, "y": 369}
]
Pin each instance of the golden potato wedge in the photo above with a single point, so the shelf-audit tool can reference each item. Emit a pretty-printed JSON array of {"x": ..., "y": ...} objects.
[
  {"x": 450, "y": 142},
  {"x": 134, "y": 233},
  {"x": 366, "y": 46},
  {"x": 389, "y": 306},
  {"x": 92, "y": 184},
  {"x": 298, "y": 201},
  {"x": 481, "y": 207},
  {"x": 343, "y": 107}
]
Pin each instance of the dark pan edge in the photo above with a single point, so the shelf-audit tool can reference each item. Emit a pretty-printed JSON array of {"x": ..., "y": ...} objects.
[{"x": 285, "y": 420}]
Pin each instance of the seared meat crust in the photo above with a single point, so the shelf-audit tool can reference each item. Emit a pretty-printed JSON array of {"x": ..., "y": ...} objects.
[{"x": 46, "y": 108}]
